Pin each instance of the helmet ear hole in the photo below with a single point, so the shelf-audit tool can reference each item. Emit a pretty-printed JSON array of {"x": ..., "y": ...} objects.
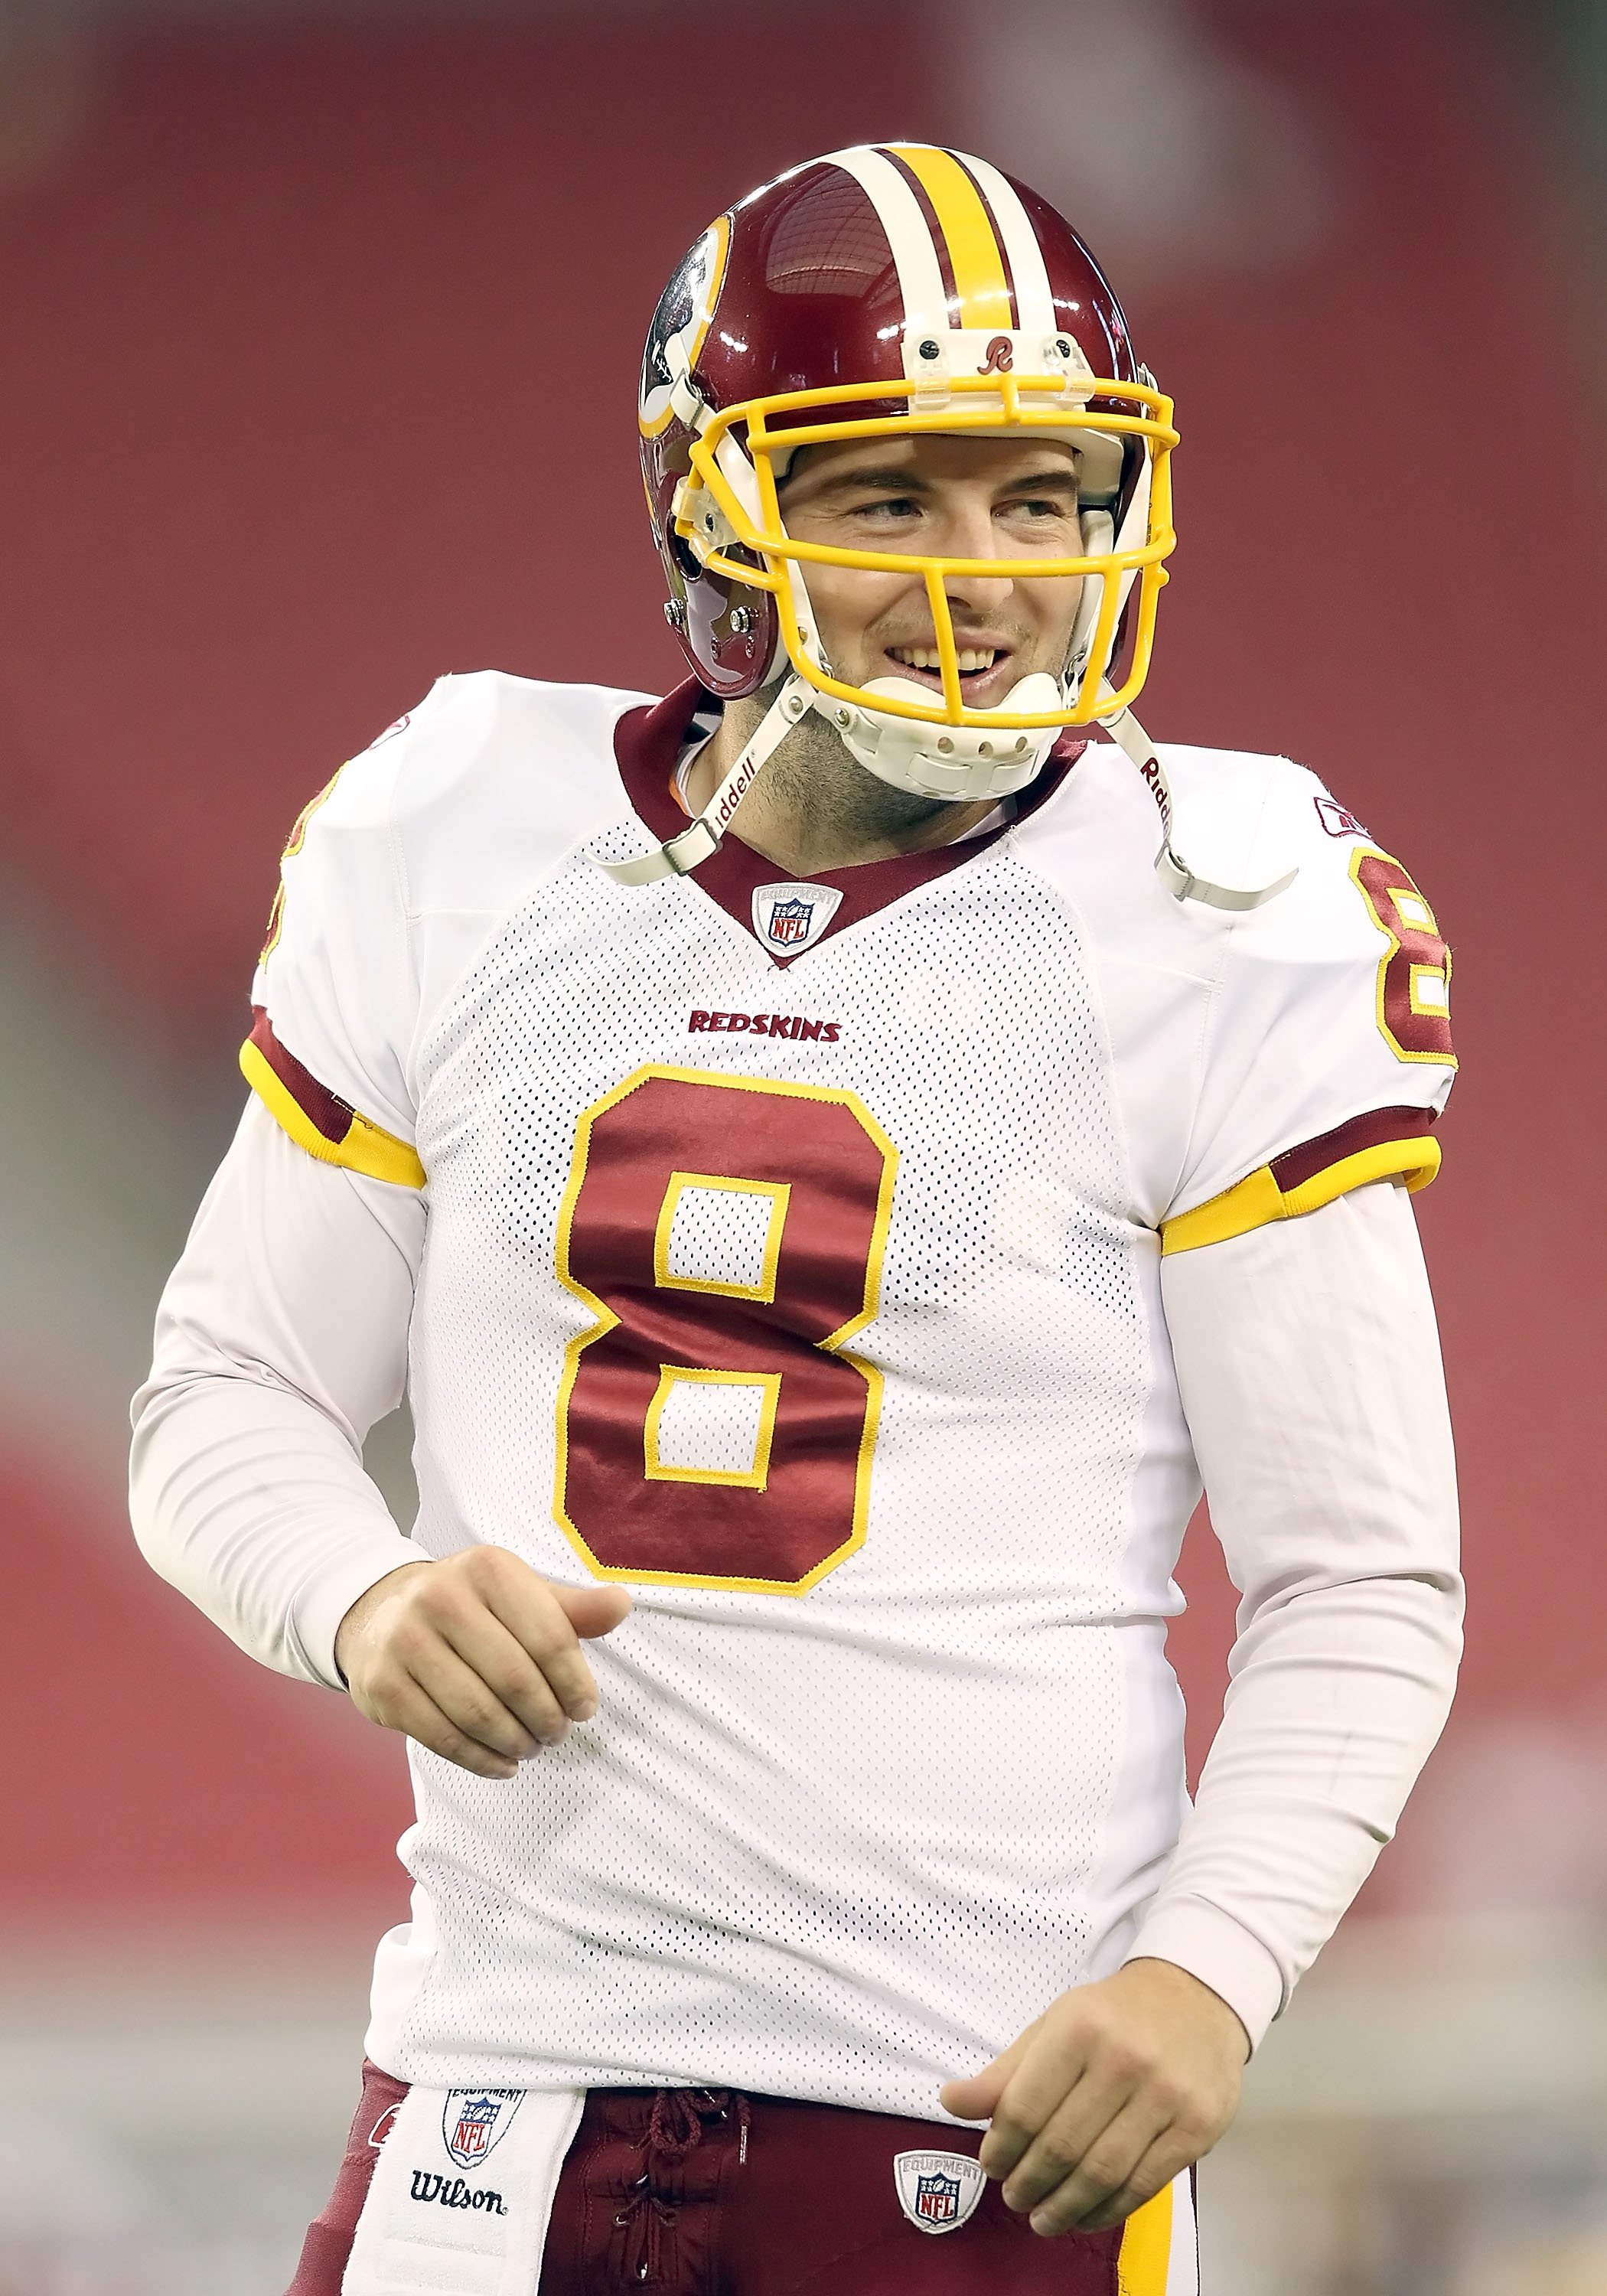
[{"x": 730, "y": 635}]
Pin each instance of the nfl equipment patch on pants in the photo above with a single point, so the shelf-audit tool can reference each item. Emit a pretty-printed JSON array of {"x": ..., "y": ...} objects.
[{"x": 696, "y": 2193}]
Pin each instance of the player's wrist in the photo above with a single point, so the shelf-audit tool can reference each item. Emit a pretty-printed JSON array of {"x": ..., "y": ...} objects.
[
  {"x": 1171, "y": 1978},
  {"x": 362, "y": 1611}
]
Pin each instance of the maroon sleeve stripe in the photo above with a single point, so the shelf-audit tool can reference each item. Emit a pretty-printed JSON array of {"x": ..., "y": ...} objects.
[
  {"x": 1296, "y": 1165},
  {"x": 323, "y": 1109}
]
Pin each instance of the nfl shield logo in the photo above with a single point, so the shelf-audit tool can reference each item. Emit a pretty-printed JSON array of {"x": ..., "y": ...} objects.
[
  {"x": 474, "y": 2120},
  {"x": 791, "y": 917},
  {"x": 938, "y": 2198},
  {"x": 939, "y": 2192},
  {"x": 790, "y": 921}
]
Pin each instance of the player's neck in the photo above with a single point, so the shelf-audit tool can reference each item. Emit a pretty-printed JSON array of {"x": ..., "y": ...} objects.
[{"x": 813, "y": 807}]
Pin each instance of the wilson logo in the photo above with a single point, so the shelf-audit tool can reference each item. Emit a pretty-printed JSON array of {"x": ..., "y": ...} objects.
[
  {"x": 1000, "y": 358},
  {"x": 452, "y": 2193}
]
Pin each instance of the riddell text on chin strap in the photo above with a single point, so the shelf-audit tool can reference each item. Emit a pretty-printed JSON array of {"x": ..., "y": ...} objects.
[{"x": 705, "y": 834}]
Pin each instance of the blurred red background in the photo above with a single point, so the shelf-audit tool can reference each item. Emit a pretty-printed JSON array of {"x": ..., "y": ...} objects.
[{"x": 318, "y": 381}]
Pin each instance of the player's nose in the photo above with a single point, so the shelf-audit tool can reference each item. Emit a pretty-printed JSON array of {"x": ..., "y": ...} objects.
[{"x": 973, "y": 597}]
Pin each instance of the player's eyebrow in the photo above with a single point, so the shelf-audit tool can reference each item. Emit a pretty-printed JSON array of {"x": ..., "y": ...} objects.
[{"x": 1056, "y": 479}]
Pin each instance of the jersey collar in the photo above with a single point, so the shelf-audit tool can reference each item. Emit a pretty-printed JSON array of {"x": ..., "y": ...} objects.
[{"x": 647, "y": 747}]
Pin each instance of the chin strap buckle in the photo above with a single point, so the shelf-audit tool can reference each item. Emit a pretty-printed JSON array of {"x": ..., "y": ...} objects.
[
  {"x": 702, "y": 837},
  {"x": 1170, "y": 868}
]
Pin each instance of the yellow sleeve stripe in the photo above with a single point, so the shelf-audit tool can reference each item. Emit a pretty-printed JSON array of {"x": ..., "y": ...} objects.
[
  {"x": 363, "y": 1148},
  {"x": 1259, "y": 1199}
]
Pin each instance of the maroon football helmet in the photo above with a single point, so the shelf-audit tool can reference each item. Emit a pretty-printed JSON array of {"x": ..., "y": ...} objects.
[{"x": 895, "y": 288}]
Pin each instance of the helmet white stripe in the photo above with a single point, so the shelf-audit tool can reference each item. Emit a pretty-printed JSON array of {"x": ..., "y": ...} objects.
[
  {"x": 1028, "y": 273},
  {"x": 908, "y": 233}
]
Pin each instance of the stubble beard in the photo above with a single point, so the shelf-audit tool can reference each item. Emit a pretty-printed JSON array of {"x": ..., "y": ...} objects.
[{"x": 815, "y": 778}]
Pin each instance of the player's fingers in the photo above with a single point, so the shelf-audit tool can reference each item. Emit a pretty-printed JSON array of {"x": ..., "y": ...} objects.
[
  {"x": 592, "y": 1610},
  {"x": 417, "y": 1646},
  {"x": 406, "y": 1707},
  {"x": 1064, "y": 2140},
  {"x": 1171, "y": 2152},
  {"x": 505, "y": 1668},
  {"x": 1055, "y": 2062},
  {"x": 975, "y": 2097},
  {"x": 469, "y": 1702},
  {"x": 1079, "y": 2159},
  {"x": 1068, "y": 2209},
  {"x": 530, "y": 1611}
]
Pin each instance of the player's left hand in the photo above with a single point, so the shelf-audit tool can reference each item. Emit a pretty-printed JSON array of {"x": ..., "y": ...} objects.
[{"x": 1116, "y": 2089}]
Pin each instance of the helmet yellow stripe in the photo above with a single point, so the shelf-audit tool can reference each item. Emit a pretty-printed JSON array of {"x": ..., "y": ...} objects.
[{"x": 973, "y": 249}]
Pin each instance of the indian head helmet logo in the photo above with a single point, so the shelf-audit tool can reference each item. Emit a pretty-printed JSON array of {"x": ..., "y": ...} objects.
[{"x": 1000, "y": 358}]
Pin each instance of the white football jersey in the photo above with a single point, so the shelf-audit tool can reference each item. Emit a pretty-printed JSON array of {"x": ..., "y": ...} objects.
[{"x": 792, "y": 1255}]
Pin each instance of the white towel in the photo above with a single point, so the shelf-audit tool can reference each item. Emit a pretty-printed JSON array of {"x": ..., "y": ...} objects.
[{"x": 462, "y": 2193}]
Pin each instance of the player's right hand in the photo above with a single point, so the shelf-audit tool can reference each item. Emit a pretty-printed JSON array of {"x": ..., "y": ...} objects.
[{"x": 476, "y": 1656}]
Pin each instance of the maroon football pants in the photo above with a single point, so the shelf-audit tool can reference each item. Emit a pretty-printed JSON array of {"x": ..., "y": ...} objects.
[{"x": 710, "y": 2193}]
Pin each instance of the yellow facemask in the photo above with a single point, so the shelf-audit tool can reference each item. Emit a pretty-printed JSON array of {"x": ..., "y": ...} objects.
[{"x": 730, "y": 502}]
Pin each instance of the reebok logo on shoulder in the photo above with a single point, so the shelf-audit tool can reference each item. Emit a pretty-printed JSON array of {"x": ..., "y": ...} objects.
[{"x": 1335, "y": 819}]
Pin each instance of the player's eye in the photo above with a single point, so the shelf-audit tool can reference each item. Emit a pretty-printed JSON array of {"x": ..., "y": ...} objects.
[{"x": 890, "y": 507}]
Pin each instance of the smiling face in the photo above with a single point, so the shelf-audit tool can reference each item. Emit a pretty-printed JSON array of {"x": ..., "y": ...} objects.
[{"x": 933, "y": 495}]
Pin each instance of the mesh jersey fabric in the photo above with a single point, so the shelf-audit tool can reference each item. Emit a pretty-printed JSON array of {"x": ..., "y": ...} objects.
[{"x": 838, "y": 1841}]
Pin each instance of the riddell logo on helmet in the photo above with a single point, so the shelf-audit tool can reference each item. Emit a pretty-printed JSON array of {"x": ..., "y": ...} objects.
[{"x": 1000, "y": 358}]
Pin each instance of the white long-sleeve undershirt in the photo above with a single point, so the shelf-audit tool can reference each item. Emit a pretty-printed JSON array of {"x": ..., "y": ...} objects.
[{"x": 1309, "y": 1362}]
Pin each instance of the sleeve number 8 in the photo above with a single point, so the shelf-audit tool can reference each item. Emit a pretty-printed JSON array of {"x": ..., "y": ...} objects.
[
  {"x": 1414, "y": 974},
  {"x": 726, "y": 1233}
]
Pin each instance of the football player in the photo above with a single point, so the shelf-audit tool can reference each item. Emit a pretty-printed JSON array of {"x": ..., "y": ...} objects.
[{"x": 835, "y": 1156}]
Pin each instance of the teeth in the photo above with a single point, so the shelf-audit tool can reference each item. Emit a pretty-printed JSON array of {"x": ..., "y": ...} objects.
[{"x": 929, "y": 658}]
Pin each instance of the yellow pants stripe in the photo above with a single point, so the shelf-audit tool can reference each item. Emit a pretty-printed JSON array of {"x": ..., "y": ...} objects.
[{"x": 1146, "y": 2248}]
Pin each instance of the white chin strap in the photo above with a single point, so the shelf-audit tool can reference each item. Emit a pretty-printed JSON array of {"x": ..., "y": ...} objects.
[
  {"x": 935, "y": 761},
  {"x": 706, "y": 832},
  {"x": 1170, "y": 868}
]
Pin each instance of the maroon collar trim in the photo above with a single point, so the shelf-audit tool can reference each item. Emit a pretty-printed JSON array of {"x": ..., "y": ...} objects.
[{"x": 647, "y": 746}]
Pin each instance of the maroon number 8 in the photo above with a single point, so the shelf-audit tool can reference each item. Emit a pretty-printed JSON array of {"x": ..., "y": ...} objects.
[{"x": 828, "y": 1169}]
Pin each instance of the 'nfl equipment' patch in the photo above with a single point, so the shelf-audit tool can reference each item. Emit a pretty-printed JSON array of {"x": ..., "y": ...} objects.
[
  {"x": 790, "y": 918},
  {"x": 474, "y": 2119},
  {"x": 938, "y": 2192}
]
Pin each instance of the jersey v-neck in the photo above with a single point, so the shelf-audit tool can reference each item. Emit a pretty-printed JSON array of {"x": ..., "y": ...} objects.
[{"x": 647, "y": 746}]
